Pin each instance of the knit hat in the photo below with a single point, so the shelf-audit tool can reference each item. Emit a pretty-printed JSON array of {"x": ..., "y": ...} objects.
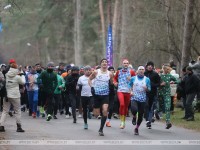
[
  {"x": 75, "y": 68},
  {"x": 87, "y": 68},
  {"x": 11, "y": 61},
  {"x": 150, "y": 63},
  {"x": 189, "y": 68},
  {"x": 50, "y": 64},
  {"x": 111, "y": 67}
]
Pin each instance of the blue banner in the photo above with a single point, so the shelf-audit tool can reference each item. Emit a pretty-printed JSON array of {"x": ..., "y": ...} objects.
[
  {"x": 109, "y": 47},
  {"x": 1, "y": 29}
]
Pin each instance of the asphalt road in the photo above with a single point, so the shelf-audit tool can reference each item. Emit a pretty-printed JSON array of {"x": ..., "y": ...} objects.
[{"x": 64, "y": 130}]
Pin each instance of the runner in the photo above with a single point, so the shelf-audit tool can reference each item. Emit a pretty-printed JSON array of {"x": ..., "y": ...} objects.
[
  {"x": 86, "y": 95},
  {"x": 151, "y": 95},
  {"x": 165, "y": 92},
  {"x": 139, "y": 86},
  {"x": 121, "y": 81},
  {"x": 101, "y": 91},
  {"x": 49, "y": 84}
]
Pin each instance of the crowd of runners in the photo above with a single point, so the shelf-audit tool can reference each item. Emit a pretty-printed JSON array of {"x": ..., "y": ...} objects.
[{"x": 99, "y": 92}]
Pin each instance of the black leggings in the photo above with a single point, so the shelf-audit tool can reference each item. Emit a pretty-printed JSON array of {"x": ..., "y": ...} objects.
[
  {"x": 137, "y": 106},
  {"x": 110, "y": 106},
  {"x": 86, "y": 104}
]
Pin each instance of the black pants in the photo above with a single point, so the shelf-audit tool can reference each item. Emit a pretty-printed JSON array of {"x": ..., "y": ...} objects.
[
  {"x": 189, "y": 110},
  {"x": 67, "y": 104},
  {"x": 137, "y": 106},
  {"x": 73, "y": 100},
  {"x": 111, "y": 105},
  {"x": 49, "y": 102},
  {"x": 57, "y": 99},
  {"x": 87, "y": 106}
]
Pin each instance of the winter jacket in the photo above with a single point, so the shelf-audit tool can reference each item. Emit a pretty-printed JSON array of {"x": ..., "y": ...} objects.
[
  {"x": 61, "y": 83},
  {"x": 155, "y": 82},
  {"x": 192, "y": 84},
  {"x": 49, "y": 81},
  {"x": 13, "y": 80}
]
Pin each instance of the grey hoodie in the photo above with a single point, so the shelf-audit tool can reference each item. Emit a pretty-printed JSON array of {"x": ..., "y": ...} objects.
[{"x": 12, "y": 83}]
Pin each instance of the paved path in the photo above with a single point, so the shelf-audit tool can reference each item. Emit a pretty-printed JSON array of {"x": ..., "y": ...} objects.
[{"x": 64, "y": 129}]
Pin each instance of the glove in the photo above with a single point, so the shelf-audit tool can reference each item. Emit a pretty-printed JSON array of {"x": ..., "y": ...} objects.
[{"x": 92, "y": 91}]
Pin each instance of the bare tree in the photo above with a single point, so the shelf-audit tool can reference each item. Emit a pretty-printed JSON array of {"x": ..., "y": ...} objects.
[
  {"x": 102, "y": 26},
  {"x": 187, "y": 37},
  {"x": 116, "y": 25}
]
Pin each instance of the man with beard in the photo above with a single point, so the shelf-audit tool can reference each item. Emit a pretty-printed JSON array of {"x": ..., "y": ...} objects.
[
  {"x": 100, "y": 90},
  {"x": 49, "y": 82},
  {"x": 70, "y": 84}
]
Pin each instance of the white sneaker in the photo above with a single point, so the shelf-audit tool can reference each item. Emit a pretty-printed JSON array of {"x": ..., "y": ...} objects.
[
  {"x": 67, "y": 116},
  {"x": 79, "y": 116}
]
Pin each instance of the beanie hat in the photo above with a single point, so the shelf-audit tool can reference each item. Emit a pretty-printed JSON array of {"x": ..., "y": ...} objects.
[
  {"x": 111, "y": 67},
  {"x": 11, "y": 61},
  {"x": 50, "y": 64},
  {"x": 189, "y": 68},
  {"x": 75, "y": 68},
  {"x": 150, "y": 63},
  {"x": 87, "y": 68}
]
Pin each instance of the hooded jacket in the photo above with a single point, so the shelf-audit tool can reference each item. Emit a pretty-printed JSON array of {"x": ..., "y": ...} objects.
[{"x": 13, "y": 80}]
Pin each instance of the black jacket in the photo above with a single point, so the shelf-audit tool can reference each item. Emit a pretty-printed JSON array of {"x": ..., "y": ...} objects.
[
  {"x": 70, "y": 84},
  {"x": 192, "y": 84},
  {"x": 155, "y": 81}
]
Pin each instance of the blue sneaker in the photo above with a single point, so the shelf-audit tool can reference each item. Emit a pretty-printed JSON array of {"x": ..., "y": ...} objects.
[{"x": 85, "y": 126}]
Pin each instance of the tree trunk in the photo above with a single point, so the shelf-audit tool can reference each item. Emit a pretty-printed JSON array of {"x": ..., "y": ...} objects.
[
  {"x": 116, "y": 22},
  {"x": 124, "y": 30},
  {"x": 102, "y": 27},
  {"x": 167, "y": 9},
  {"x": 187, "y": 37},
  {"x": 77, "y": 33}
]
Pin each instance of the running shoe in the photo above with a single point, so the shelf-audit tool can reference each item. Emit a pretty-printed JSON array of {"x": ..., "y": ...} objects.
[
  {"x": 168, "y": 125},
  {"x": 157, "y": 115},
  {"x": 136, "y": 132},
  {"x": 122, "y": 125},
  {"x": 101, "y": 132},
  {"x": 99, "y": 117},
  {"x": 34, "y": 115},
  {"x": 48, "y": 117},
  {"x": 67, "y": 117},
  {"x": 85, "y": 126},
  {"x": 108, "y": 124},
  {"x": 134, "y": 121},
  {"x": 55, "y": 117},
  {"x": 148, "y": 124}
]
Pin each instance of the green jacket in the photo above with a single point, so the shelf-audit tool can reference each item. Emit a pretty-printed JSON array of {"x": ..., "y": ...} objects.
[
  {"x": 61, "y": 83},
  {"x": 48, "y": 81}
]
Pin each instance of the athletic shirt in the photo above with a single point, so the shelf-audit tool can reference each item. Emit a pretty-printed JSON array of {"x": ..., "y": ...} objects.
[
  {"x": 86, "y": 89},
  {"x": 123, "y": 81},
  {"x": 138, "y": 90},
  {"x": 101, "y": 83}
]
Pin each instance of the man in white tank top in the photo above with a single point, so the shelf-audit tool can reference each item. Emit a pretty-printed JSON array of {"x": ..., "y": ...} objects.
[{"x": 101, "y": 91}]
